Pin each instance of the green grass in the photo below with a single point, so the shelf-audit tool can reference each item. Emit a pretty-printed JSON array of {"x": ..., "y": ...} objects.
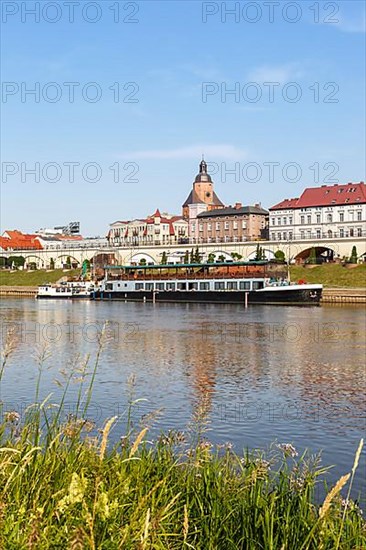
[
  {"x": 61, "y": 486},
  {"x": 34, "y": 278},
  {"x": 331, "y": 275}
]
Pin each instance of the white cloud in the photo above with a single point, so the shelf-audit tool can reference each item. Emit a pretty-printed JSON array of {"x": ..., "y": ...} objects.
[
  {"x": 221, "y": 151},
  {"x": 347, "y": 24},
  {"x": 276, "y": 73}
]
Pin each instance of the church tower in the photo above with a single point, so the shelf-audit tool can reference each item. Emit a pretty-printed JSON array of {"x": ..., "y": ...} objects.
[{"x": 202, "y": 192}]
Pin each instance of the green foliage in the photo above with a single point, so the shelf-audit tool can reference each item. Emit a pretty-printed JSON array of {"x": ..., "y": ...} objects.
[
  {"x": 164, "y": 258},
  {"x": 62, "y": 486},
  {"x": 16, "y": 261},
  {"x": 68, "y": 262},
  {"x": 86, "y": 265},
  {"x": 237, "y": 257},
  {"x": 312, "y": 256},
  {"x": 280, "y": 255},
  {"x": 354, "y": 256},
  {"x": 186, "y": 257},
  {"x": 33, "y": 278},
  {"x": 195, "y": 256},
  {"x": 221, "y": 258},
  {"x": 211, "y": 258},
  {"x": 143, "y": 261},
  {"x": 259, "y": 254},
  {"x": 52, "y": 263}
]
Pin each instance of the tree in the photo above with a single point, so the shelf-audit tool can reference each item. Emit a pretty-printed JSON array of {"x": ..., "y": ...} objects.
[
  {"x": 259, "y": 254},
  {"x": 197, "y": 256},
  {"x": 164, "y": 258},
  {"x": 143, "y": 261},
  {"x": 68, "y": 262},
  {"x": 280, "y": 255},
  {"x": 16, "y": 261},
  {"x": 236, "y": 256},
  {"x": 312, "y": 256},
  {"x": 221, "y": 258},
  {"x": 353, "y": 258},
  {"x": 211, "y": 258},
  {"x": 52, "y": 263},
  {"x": 86, "y": 265},
  {"x": 186, "y": 257},
  {"x": 191, "y": 257}
]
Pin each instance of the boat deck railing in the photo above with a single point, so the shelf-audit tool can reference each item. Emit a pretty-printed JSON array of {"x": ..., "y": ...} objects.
[{"x": 185, "y": 276}]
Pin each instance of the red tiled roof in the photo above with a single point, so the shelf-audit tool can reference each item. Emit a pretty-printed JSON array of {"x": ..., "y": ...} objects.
[
  {"x": 326, "y": 195},
  {"x": 16, "y": 240}
]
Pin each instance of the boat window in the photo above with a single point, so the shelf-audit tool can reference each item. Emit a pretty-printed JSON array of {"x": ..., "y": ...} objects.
[
  {"x": 257, "y": 285},
  {"x": 244, "y": 285},
  {"x": 193, "y": 286},
  {"x": 149, "y": 286},
  {"x": 232, "y": 285},
  {"x": 182, "y": 286},
  {"x": 170, "y": 286},
  {"x": 204, "y": 286},
  {"x": 220, "y": 285},
  {"x": 109, "y": 286},
  {"x": 159, "y": 286},
  {"x": 139, "y": 286}
]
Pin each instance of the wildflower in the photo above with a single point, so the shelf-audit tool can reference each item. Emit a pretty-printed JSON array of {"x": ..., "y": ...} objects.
[
  {"x": 205, "y": 446},
  {"x": 261, "y": 463},
  {"x": 12, "y": 416},
  {"x": 76, "y": 492},
  {"x": 288, "y": 449}
]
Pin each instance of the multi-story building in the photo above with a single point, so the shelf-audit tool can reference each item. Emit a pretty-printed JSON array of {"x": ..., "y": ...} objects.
[
  {"x": 157, "y": 229},
  {"x": 202, "y": 192},
  {"x": 336, "y": 211},
  {"x": 231, "y": 224}
]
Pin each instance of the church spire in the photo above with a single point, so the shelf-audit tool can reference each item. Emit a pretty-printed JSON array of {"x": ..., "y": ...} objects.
[{"x": 203, "y": 166}]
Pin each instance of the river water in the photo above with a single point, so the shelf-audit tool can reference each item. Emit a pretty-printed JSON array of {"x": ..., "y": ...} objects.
[{"x": 264, "y": 374}]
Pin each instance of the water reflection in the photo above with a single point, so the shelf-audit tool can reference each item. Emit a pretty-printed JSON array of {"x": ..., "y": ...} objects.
[{"x": 295, "y": 374}]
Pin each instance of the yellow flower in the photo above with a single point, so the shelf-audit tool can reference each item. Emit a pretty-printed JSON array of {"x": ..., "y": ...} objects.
[{"x": 76, "y": 492}]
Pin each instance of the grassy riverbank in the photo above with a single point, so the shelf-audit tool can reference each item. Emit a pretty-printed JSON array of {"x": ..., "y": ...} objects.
[
  {"x": 331, "y": 275},
  {"x": 34, "y": 278},
  {"x": 63, "y": 486}
]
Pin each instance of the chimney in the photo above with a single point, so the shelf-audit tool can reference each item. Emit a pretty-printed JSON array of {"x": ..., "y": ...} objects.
[{"x": 238, "y": 205}]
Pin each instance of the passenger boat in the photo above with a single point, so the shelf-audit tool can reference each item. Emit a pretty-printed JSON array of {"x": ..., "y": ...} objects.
[
  {"x": 67, "y": 290},
  {"x": 226, "y": 283}
]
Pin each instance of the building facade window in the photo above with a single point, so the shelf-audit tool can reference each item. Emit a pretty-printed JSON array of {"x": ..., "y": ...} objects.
[
  {"x": 359, "y": 231},
  {"x": 318, "y": 218},
  {"x": 341, "y": 232},
  {"x": 309, "y": 219},
  {"x": 302, "y": 220},
  {"x": 329, "y": 218},
  {"x": 341, "y": 216},
  {"x": 359, "y": 215}
]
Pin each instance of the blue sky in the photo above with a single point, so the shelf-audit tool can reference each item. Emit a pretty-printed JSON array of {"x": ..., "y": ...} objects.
[{"x": 180, "y": 58}]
